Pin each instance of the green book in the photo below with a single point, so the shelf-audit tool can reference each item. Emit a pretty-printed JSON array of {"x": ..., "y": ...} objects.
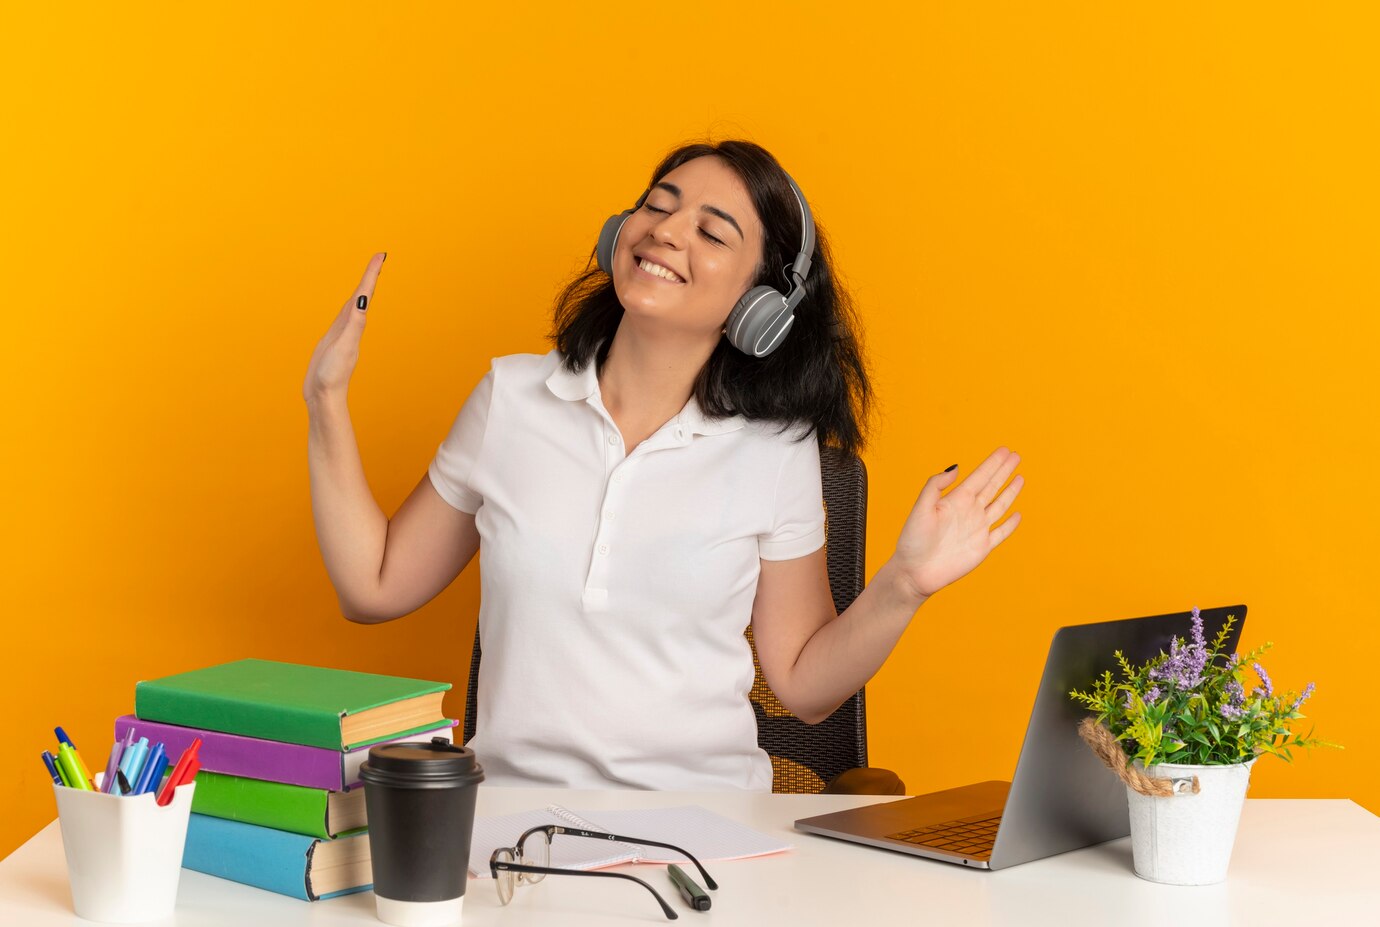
[
  {"x": 295, "y": 808},
  {"x": 311, "y": 705}
]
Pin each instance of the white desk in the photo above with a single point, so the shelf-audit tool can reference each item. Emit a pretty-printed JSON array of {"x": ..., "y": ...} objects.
[{"x": 1296, "y": 861}]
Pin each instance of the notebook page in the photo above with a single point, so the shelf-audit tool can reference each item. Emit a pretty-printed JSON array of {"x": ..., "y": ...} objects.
[
  {"x": 707, "y": 835},
  {"x": 566, "y": 852}
]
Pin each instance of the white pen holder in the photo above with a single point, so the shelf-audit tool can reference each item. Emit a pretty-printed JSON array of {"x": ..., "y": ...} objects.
[{"x": 124, "y": 853}]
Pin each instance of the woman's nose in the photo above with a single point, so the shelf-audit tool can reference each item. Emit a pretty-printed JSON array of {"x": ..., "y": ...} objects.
[{"x": 667, "y": 232}]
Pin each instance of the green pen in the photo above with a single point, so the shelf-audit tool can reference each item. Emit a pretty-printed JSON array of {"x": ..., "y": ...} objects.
[
  {"x": 67, "y": 762},
  {"x": 690, "y": 890}
]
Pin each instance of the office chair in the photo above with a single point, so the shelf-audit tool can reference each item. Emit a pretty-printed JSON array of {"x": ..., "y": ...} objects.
[{"x": 830, "y": 756}]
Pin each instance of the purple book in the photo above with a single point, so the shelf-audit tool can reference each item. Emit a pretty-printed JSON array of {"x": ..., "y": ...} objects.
[{"x": 273, "y": 760}]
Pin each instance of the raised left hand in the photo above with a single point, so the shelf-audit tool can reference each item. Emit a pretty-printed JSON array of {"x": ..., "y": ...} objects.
[{"x": 947, "y": 535}]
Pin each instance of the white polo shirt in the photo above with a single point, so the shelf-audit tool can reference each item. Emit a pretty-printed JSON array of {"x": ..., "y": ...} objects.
[{"x": 616, "y": 584}]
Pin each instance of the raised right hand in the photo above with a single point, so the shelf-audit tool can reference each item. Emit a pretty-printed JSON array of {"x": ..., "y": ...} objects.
[{"x": 334, "y": 359}]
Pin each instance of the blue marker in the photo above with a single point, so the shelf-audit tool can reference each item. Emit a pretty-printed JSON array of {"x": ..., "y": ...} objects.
[
  {"x": 63, "y": 738},
  {"x": 51, "y": 763},
  {"x": 146, "y": 774},
  {"x": 132, "y": 763},
  {"x": 156, "y": 777}
]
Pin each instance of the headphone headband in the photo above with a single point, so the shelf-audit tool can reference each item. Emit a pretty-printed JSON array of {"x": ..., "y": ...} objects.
[{"x": 801, "y": 268}]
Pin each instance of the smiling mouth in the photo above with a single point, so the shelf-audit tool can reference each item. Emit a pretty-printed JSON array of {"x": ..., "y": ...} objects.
[{"x": 637, "y": 263}]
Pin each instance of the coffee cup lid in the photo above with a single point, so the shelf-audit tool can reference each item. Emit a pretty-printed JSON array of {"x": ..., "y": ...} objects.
[{"x": 437, "y": 762}]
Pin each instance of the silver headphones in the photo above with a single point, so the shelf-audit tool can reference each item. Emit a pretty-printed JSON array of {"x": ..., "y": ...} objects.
[{"x": 760, "y": 319}]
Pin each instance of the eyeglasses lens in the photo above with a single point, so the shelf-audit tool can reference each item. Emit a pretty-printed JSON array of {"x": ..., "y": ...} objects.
[
  {"x": 535, "y": 851},
  {"x": 506, "y": 880}
]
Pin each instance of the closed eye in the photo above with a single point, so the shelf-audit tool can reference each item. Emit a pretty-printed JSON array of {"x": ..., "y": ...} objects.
[{"x": 649, "y": 206}]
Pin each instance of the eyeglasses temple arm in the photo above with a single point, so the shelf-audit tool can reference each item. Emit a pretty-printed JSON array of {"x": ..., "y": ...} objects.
[
  {"x": 708, "y": 879},
  {"x": 580, "y": 872}
]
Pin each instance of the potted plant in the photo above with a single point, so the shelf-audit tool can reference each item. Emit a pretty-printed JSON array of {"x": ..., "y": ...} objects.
[{"x": 1183, "y": 732}]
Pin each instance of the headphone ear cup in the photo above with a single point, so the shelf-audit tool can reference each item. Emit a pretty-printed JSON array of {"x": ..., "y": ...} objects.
[
  {"x": 759, "y": 321},
  {"x": 608, "y": 240}
]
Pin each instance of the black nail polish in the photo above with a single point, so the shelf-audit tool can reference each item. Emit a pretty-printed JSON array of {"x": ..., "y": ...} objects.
[
  {"x": 361, "y": 302},
  {"x": 948, "y": 469}
]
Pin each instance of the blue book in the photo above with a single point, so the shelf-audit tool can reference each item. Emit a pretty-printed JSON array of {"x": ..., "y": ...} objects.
[{"x": 308, "y": 868}]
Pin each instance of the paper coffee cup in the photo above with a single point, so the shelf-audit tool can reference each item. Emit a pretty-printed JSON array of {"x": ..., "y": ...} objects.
[{"x": 419, "y": 800}]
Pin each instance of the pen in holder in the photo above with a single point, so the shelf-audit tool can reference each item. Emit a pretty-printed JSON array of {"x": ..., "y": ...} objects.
[{"x": 124, "y": 852}]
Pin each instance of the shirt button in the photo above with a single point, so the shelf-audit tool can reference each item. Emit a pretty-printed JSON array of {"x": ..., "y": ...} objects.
[
  {"x": 618, "y": 477},
  {"x": 613, "y": 439},
  {"x": 608, "y": 513},
  {"x": 603, "y": 548}
]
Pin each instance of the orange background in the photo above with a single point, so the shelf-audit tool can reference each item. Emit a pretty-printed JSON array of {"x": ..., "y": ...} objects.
[{"x": 1136, "y": 246}]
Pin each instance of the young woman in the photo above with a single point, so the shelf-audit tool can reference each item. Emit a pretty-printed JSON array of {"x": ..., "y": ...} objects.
[{"x": 644, "y": 490}]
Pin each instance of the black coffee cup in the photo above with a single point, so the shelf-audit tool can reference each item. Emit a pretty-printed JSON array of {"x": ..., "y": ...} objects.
[{"x": 420, "y": 803}]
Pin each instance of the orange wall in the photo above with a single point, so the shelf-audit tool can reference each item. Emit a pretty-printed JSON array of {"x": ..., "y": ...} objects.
[{"x": 1138, "y": 247}]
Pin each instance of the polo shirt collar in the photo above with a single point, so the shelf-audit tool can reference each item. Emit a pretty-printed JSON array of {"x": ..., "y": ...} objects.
[
  {"x": 574, "y": 387},
  {"x": 693, "y": 420}
]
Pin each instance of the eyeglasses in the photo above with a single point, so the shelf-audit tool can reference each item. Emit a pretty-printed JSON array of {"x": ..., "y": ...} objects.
[{"x": 530, "y": 861}]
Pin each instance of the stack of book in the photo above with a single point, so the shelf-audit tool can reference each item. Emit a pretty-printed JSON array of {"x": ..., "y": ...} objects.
[{"x": 279, "y": 804}]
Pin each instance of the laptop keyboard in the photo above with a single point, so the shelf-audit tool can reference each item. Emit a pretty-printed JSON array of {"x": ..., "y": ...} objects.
[{"x": 969, "y": 837}]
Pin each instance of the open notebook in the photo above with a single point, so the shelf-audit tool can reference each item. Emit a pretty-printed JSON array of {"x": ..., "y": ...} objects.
[{"x": 707, "y": 835}]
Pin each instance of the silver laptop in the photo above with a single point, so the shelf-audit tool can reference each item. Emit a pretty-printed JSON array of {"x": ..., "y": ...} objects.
[{"x": 1061, "y": 796}]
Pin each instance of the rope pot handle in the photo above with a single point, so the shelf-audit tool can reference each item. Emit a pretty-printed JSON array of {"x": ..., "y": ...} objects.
[{"x": 1104, "y": 744}]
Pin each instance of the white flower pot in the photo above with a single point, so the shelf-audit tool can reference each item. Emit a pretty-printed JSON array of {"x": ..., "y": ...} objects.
[{"x": 1186, "y": 839}]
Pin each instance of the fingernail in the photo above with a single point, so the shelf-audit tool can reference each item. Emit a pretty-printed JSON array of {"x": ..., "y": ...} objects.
[
  {"x": 385, "y": 257},
  {"x": 948, "y": 469},
  {"x": 361, "y": 302}
]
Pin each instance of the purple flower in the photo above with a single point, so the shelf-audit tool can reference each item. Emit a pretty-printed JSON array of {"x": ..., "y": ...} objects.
[
  {"x": 1184, "y": 666},
  {"x": 1152, "y": 695},
  {"x": 1199, "y": 646},
  {"x": 1234, "y": 706},
  {"x": 1266, "y": 688},
  {"x": 1307, "y": 691}
]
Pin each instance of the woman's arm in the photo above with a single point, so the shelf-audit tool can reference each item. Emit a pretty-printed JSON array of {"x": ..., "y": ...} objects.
[
  {"x": 351, "y": 529},
  {"x": 381, "y": 568},
  {"x": 813, "y": 660}
]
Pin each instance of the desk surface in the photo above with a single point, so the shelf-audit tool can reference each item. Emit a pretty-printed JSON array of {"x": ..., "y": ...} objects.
[{"x": 1295, "y": 861}]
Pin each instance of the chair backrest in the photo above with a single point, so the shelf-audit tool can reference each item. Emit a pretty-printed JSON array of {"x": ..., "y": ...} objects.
[{"x": 803, "y": 756}]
